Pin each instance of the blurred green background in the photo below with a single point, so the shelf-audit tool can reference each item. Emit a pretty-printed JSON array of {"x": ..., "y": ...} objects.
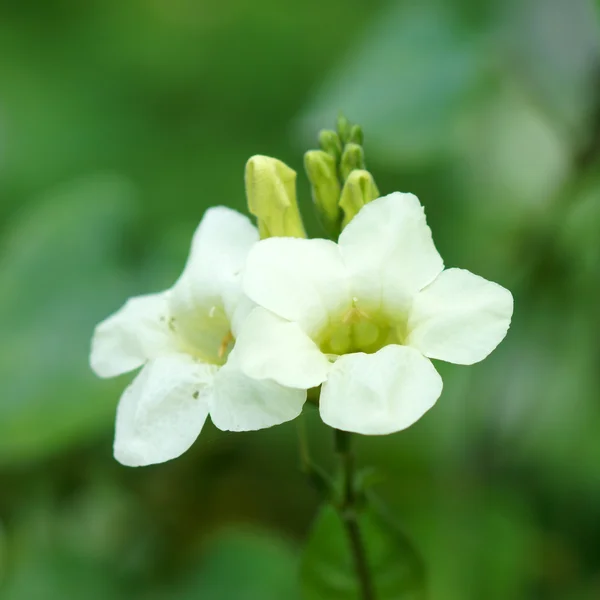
[{"x": 121, "y": 122}]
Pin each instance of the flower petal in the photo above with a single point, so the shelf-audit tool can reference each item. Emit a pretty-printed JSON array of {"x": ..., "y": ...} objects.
[
  {"x": 269, "y": 347},
  {"x": 137, "y": 332},
  {"x": 204, "y": 297},
  {"x": 240, "y": 403},
  {"x": 389, "y": 251},
  {"x": 460, "y": 317},
  {"x": 300, "y": 280},
  {"x": 240, "y": 313},
  {"x": 377, "y": 394},
  {"x": 162, "y": 412},
  {"x": 220, "y": 245}
]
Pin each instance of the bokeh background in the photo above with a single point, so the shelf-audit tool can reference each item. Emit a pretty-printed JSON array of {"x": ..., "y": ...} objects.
[{"x": 121, "y": 122}]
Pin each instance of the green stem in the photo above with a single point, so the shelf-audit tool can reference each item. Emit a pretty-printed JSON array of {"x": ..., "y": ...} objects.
[
  {"x": 303, "y": 448},
  {"x": 348, "y": 512},
  {"x": 315, "y": 474}
]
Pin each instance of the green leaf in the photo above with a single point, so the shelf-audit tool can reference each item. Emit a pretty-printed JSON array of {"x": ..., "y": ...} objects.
[
  {"x": 60, "y": 575},
  {"x": 3, "y": 554},
  {"x": 48, "y": 562},
  {"x": 59, "y": 275},
  {"x": 244, "y": 566},
  {"x": 559, "y": 75},
  {"x": 406, "y": 83},
  {"x": 327, "y": 569}
]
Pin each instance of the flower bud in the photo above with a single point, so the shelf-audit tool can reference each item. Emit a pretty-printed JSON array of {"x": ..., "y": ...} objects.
[
  {"x": 271, "y": 195},
  {"x": 322, "y": 172},
  {"x": 343, "y": 128},
  {"x": 359, "y": 189},
  {"x": 356, "y": 135},
  {"x": 331, "y": 143},
  {"x": 352, "y": 158}
]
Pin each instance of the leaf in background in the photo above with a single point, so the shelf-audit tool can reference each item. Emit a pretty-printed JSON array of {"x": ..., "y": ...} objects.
[
  {"x": 559, "y": 75},
  {"x": 405, "y": 84},
  {"x": 59, "y": 277},
  {"x": 58, "y": 576},
  {"x": 479, "y": 541},
  {"x": 579, "y": 241},
  {"x": 3, "y": 553},
  {"x": 47, "y": 563},
  {"x": 244, "y": 566},
  {"x": 327, "y": 569}
]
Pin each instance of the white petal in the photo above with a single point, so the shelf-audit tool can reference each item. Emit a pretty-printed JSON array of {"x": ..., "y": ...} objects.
[
  {"x": 239, "y": 314},
  {"x": 389, "y": 251},
  {"x": 460, "y": 317},
  {"x": 269, "y": 347},
  {"x": 137, "y": 332},
  {"x": 300, "y": 280},
  {"x": 220, "y": 244},
  {"x": 239, "y": 403},
  {"x": 209, "y": 287},
  {"x": 162, "y": 412},
  {"x": 379, "y": 393}
]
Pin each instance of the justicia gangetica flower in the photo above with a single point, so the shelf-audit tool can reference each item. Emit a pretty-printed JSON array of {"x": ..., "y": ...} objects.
[
  {"x": 363, "y": 317},
  {"x": 185, "y": 338}
]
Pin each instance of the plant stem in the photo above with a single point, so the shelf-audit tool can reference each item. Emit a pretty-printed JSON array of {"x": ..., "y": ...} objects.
[
  {"x": 303, "y": 448},
  {"x": 348, "y": 512},
  {"x": 315, "y": 474}
]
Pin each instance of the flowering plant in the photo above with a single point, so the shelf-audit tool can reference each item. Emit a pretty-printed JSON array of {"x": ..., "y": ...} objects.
[{"x": 261, "y": 315}]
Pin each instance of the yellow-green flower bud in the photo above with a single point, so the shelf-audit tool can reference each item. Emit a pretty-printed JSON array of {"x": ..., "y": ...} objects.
[
  {"x": 271, "y": 195},
  {"x": 343, "y": 128},
  {"x": 322, "y": 172},
  {"x": 352, "y": 158},
  {"x": 356, "y": 135},
  {"x": 359, "y": 189},
  {"x": 330, "y": 141}
]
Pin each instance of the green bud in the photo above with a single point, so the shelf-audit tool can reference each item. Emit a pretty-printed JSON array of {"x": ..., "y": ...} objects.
[
  {"x": 356, "y": 135},
  {"x": 359, "y": 189},
  {"x": 322, "y": 173},
  {"x": 331, "y": 143},
  {"x": 343, "y": 128},
  {"x": 271, "y": 195},
  {"x": 352, "y": 158}
]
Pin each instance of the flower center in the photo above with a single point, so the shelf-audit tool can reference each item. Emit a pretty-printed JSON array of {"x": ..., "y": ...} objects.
[
  {"x": 204, "y": 334},
  {"x": 358, "y": 331}
]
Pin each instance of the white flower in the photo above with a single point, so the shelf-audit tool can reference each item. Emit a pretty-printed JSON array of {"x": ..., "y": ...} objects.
[
  {"x": 364, "y": 316},
  {"x": 185, "y": 337}
]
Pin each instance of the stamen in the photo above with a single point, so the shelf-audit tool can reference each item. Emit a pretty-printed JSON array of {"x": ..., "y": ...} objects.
[
  {"x": 224, "y": 344},
  {"x": 354, "y": 315}
]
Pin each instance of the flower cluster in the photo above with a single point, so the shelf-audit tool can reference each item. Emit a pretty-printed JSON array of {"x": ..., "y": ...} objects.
[{"x": 252, "y": 324}]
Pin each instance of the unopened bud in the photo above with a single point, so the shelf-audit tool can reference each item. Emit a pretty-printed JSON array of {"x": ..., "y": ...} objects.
[
  {"x": 330, "y": 141},
  {"x": 356, "y": 135},
  {"x": 359, "y": 189},
  {"x": 352, "y": 158},
  {"x": 271, "y": 195},
  {"x": 343, "y": 128},
  {"x": 322, "y": 172}
]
